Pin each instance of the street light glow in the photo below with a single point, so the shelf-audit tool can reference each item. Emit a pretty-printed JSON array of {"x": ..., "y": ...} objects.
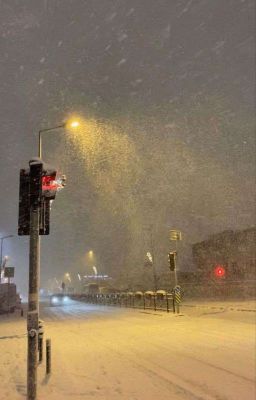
[
  {"x": 67, "y": 276},
  {"x": 74, "y": 124},
  {"x": 149, "y": 255}
]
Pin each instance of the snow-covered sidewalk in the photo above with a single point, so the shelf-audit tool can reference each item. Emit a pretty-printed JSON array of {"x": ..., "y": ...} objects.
[
  {"x": 231, "y": 305},
  {"x": 109, "y": 353}
]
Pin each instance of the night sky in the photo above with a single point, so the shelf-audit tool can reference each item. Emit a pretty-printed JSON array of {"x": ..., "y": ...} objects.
[{"x": 165, "y": 93}]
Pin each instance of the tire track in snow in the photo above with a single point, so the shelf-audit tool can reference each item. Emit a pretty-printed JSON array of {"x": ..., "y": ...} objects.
[
  {"x": 183, "y": 387},
  {"x": 210, "y": 365}
]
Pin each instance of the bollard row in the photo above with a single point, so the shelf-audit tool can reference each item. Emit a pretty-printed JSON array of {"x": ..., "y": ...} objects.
[{"x": 157, "y": 301}]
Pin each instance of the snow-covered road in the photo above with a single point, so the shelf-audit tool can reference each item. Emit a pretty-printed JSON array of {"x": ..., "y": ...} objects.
[{"x": 110, "y": 353}]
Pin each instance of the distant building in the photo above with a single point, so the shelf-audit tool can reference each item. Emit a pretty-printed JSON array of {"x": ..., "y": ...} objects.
[{"x": 232, "y": 251}]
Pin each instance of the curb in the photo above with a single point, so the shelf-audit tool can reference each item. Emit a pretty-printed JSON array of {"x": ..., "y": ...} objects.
[{"x": 220, "y": 308}]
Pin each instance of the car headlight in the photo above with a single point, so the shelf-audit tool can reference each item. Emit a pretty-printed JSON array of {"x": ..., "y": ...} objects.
[
  {"x": 55, "y": 300},
  {"x": 65, "y": 299}
]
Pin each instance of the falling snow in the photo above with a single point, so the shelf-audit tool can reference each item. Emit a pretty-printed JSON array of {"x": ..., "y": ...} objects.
[
  {"x": 166, "y": 96},
  {"x": 121, "y": 62}
]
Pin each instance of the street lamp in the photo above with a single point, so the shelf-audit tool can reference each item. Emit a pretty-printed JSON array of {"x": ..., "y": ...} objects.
[
  {"x": 1, "y": 253},
  {"x": 71, "y": 124},
  {"x": 67, "y": 276}
]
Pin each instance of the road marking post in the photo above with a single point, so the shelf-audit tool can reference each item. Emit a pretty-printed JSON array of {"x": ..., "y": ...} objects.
[
  {"x": 177, "y": 297},
  {"x": 40, "y": 340}
]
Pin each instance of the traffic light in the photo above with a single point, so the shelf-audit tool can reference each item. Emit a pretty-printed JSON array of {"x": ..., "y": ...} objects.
[
  {"x": 38, "y": 187},
  {"x": 219, "y": 271},
  {"x": 24, "y": 207},
  {"x": 172, "y": 260},
  {"x": 49, "y": 183},
  {"x": 175, "y": 235},
  {"x": 35, "y": 182}
]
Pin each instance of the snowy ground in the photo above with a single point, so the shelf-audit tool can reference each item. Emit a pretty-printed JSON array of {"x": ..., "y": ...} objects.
[{"x": 106, "y": 353}]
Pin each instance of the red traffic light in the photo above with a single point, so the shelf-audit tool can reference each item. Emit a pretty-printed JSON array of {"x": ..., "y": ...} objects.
[
  {"x": 49, "y": 183},
  {"x": 219, "y": 271}
]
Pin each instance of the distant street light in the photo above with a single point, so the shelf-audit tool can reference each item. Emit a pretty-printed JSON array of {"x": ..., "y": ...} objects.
[
  {"x": 1, "y": 253},
  {"x": 149, "y": 256},
  {"x": 71, "y": 124},
  {"x": 67, "y": 276}
]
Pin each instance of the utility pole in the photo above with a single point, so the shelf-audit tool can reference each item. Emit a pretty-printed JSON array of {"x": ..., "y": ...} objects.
[{"x": 34, "y": 266}]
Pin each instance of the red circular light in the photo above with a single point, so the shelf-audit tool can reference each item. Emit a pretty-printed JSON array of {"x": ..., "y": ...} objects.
[{"x": 219, "y": 271}]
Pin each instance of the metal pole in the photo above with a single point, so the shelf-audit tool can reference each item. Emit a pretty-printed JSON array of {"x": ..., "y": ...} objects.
[
  {"x": 175, "y": 277},
  {"x": 173, "y": 304},
  {"x": 40, "y": 349},
  {"x": 40, "y": 137},
  {"x": 153, "y": 260},
  {"x": 33, "y": 309},
  {"x": 175, "y": 270},
  {"x": 154, "y": 296},
  {"x": 8, "y": 295},
  {"x": 167, "y": 302},
  {"x": 39, "y": 144},
  {"x": 154, "y": 275},
  {"x": 40, "y": 340},
  {"x": 34, "y": 264},
  {"x": 48, "y": 356}
]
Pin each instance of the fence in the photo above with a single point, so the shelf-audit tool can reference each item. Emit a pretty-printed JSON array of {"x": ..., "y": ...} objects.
[{"x": 159, "y": 301}]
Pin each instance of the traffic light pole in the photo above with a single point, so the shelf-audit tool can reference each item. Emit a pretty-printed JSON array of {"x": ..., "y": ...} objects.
[
  {"x": 37, "y": 188},
  {"x": 175, "y": 235},
  {"x": 34, "y": 265},
  {"x": 175, "y": 270},
  {"x": 33, "y": 307}
]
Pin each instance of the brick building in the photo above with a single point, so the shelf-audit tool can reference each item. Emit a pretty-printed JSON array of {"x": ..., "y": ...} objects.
[{"x": 232, "y": 250}]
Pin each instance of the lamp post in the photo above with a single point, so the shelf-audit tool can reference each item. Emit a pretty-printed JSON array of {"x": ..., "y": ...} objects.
[
  {"x": 72, "y": 124},
  {"x": 1, "y": 253},
  {"x": 35, "y": 181}
]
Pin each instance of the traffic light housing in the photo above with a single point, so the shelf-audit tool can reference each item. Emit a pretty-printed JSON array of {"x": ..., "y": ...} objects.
[
  {"x": 172, "y": 260},
  {"x": 24, "y": 205},
  {"x": 49, "y": 183},
  {"x": 38, "y": 187}
]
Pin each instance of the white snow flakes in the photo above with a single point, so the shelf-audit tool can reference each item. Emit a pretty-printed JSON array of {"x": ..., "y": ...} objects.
[{"x": 121, "y": 62}]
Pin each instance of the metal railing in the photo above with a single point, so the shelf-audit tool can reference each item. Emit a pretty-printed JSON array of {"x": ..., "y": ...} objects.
[{"x": 146, "y": 301}]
